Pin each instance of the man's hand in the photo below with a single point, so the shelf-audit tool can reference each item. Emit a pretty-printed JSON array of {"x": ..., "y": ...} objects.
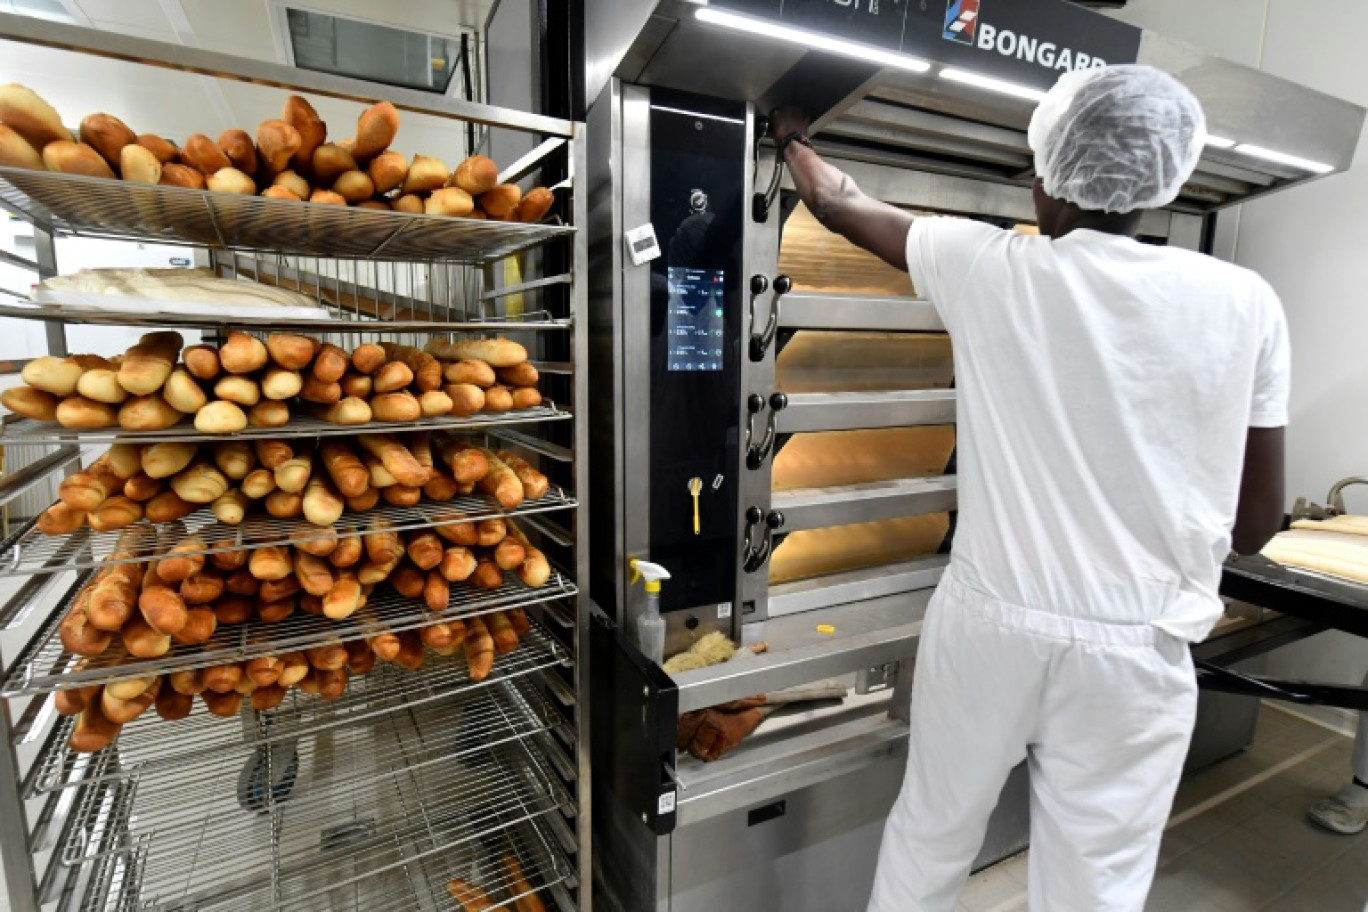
[{"x": 786, "y": 120}]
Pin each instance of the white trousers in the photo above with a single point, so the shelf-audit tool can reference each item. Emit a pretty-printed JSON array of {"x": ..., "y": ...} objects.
[{"x": 1103, "y": 714}]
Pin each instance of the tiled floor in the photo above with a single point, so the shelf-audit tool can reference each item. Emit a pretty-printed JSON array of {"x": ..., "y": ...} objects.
[{"x": 1239, "y": 840}]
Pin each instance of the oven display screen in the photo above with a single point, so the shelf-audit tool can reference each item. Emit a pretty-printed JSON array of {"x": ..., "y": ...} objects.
[{"x": 696, "y": 319}]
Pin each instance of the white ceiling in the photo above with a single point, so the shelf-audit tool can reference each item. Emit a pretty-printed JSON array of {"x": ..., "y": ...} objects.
[{"x": 173, "y": 104}]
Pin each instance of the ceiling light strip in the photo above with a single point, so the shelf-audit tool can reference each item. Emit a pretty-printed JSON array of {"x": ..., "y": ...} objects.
[
  {"x": 1283, "y": 158},
  {"x": 811, "y": 40},
  {"x": 992, "y": 84}
]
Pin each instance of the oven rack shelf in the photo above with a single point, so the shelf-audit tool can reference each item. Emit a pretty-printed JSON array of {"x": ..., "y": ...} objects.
[
  {"x": 418, "y": 887},
  {"x": 401, "y": 814},
  {"x": 538, "y": 321},
  {"x": 30, "y": 431},
  {"x": 79, "y": 206},
  {"x": 151, "y": 749},
  {"x": 45, "y": 666},
  {"x": 30, "y": 551}
]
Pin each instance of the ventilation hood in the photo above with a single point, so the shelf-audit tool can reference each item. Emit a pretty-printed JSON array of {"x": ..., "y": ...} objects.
[{"x": 1268, "y": 133}]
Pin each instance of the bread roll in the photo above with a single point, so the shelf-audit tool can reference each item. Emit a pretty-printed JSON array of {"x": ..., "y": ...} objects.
[
  {"x": 167, "y": 507},
  {"x": 203, "y": 154},
  {"x": 330, "y": 363},
  {"x": 30, "y": 402},
  {"x": 309, "y": 541},
  {"x": 425, "y": 550},
  {"x": 392, "y": 376},
  {"x": 75, "y": 158},
  {"x": 327, "y": 198},
  {"x": 234, "y": 608},
  {"x": 348, "y": 411},
  {"x": 281, "y": 193},
  {"x": 241, "y": 151},
  {"x": 365, "y": 501},
  {"x": 354, "y": 186},
  {"x": 457, "y": 565},
  {"x": 452, "y": 202},
  {"x": 148, "y": 413},
  {"x": 348, "y": 552},
  {"x": 124, "y": 460},
  {"x": 52, "y": 374},
  {"x": 312, "y": 131},
  {"x": 87, "y": 490},
  {"x": 502, "y": 483},
  {"x": 280, "y": 384},
  {"x": 141, "y": 641},
  {"x": 297, "y": 186},
  {"x": 162, "y": 460},
  {"x": 182, "y": 392},
  {"x": 86, "y": 414},
  {"x": 314, "y": 573},
  {"x": 535, "y": 484},
  {"x": 498, "y": 399},
  {"x": 190, "y": 683},
  {"x": 242, "y": 390},
  {"x": 293, "y": 474},
  {"x": 343, "y": 600},
  {"x": 221, "y": 418},
  {"x": 411, "y": 203},
  {"x": 115, "y": 512},
  {"x": 101, "y": 385},
  {"x": 93, "y": 730},
  {"x": 276, "y": 590},
  {"x": 284, "y": 504},
  {"x": 228, "y": 560},
  {"x": 375, "y": 130},
  {"x": 318, "y": 391},
  {"x": 202, "y": 362},
  {"x": 224, "y": 705},
  {"x": 145, "y": 369},
  {"x": 74, "y": 701},
  {"x": 466, "y": 399},
  {"x": 477, "y": 373},
  {"x": 467, "y": 464},
  {"x": 270, "y": 563},
  {"x": 258, "y": 483},
  {"x": 534, "y": 205},
  {"x": 178, "y": 175},
  {"x": 277, "y": 143},
  {"x": 435, "y": 404},
  {"x": 231, "y": 507},
  {"x": 400, "y": 406},
  {"x": 139, "y": 165},
  {"x": 356, "y": 386},
  {"x": 269, "y": 413},
  {"x": 402, "y": 495},
  {"x": 344, "y": 467},
  {"x": 496, "y": 352},
  {"x": 123, "y": 711},
  {"x": 368, "y": 358},
  {"x": 292, "y": 352},
  {"x": 242, "y": 354},
  {"x": 142, "y": 487},
  {"x": 202, "y": 588},
  {"x": 477, "y": 174},
  {"x": 272, "y": 454},
  {"x": 164, "y": 150},
  {"x": 234, "y": 458},
  {"x": 425, "y": 175},
  {"x": 501, "y": 202},
  {"x": 331, "y": 161},
  {"x": 521, "y": 374},
  {"x": 491, "y": 531},
  {"x": 387, "y": 171},
  {"x": 231, "y": 180},
  {"x": 15, "y": 152}
]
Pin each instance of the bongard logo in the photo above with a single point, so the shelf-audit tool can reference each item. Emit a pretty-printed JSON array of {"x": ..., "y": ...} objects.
[{"x": 964, "y": 25}]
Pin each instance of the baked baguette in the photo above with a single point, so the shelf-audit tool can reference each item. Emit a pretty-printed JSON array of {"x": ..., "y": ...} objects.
[{"x": 496, "y": 352}]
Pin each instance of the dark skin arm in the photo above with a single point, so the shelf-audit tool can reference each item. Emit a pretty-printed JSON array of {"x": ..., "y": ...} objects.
[
  {"x": 837, "y": 203},
  {"x": 1260, "y": 513}
]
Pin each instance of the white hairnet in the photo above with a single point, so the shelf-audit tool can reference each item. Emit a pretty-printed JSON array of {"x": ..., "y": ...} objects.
[{"x": 1117, "y": 139}]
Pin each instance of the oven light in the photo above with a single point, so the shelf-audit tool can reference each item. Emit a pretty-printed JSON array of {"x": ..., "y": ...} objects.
[
  {"x": 811, "y": 39},
  {"x": 1282, "y": 158},
  {"x": 1220, "y": 142},
  {"x": 1001, "y": 86}
]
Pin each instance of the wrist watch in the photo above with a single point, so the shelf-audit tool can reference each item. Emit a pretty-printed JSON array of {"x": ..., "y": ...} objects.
[{"x": 797, "y": 136}]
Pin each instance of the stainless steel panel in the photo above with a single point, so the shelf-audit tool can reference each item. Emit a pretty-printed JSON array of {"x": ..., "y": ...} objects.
[
  {"x": 856, "y": 586},
  {"x": 866, "y": 635},
  {"x": 819, "y": 856},
  {"x": 850, "y": 411},
  {"x": 806, "y": 310},
  {"x": 815, "y": 508},
  {"x": 754, "y": 776}
]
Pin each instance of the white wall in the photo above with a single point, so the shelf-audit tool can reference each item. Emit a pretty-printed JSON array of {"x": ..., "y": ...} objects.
[{"x": 1309, "y": 244}]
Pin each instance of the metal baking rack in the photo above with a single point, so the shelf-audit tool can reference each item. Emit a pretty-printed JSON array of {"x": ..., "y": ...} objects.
[
  {"x": 29, "y": 551},
  {"x": 418, "y": 794},
  {"x": 28, "y": 431},
  {"x": 79, "y": 206},
  {"x": 495, "y": 710},
  {"x": 194, "y": 842},
  {"x": 46, "y": 665}
]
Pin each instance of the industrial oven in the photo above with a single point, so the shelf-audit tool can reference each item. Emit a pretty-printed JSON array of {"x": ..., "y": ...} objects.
[{"x": 773, "y": 416}]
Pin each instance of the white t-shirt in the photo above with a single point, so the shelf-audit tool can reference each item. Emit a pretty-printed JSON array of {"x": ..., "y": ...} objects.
[{"x": 1105, "y": 391}]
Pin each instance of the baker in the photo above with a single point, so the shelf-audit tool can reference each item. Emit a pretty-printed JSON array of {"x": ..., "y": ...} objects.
[{"x": 1121, "y": 415}]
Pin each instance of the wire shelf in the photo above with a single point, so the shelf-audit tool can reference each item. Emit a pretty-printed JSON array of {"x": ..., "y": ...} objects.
[
  {"x": 45, "y": 666},
  {"x": 376, "y": 798},
  {"x": 539, "y": 321},
  {"x": 30, "y": 431},
  {"x": 31, "y": 551},
  {"x": 151, "y": 749},
  {"x": 69, "y": 204}
]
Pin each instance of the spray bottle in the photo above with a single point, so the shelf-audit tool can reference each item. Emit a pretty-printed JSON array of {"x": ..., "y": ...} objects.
[{"x": 650, "y": 627}]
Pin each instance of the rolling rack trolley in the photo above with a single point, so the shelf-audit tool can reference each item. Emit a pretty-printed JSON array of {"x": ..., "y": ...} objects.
[
  {"x": 376, "y": 800},
  {"x": 815, "y": 442}
]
